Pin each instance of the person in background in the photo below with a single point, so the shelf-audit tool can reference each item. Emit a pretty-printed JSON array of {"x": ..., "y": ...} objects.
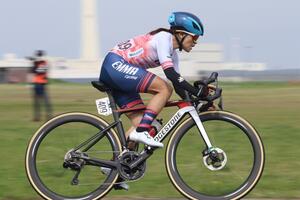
[{"x": 39, "y": 72}]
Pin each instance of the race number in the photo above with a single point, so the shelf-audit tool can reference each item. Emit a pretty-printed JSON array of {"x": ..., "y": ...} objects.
[
  {"x": 103, "y": 106},
  {"x": 124, "y": 45}
]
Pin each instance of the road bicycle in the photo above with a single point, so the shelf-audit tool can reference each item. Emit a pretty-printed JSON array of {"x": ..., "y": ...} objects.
[{"x": 211, "y": 154}]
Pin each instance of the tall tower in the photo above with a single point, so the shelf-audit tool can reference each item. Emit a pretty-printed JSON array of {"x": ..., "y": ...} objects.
[{"x": 89, "y": 32}]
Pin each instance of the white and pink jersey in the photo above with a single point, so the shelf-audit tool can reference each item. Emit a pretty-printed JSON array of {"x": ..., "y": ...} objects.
[{"x": 149, "y": 51}]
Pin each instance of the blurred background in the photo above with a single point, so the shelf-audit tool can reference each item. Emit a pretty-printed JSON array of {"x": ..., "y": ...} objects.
[
  {"x": 254, "y": 45},
  {"x": 260, "y": 37}
]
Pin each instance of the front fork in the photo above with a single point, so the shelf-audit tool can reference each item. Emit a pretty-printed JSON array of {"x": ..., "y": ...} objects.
[
  {"x": 214, "y": 158},
  {"x": 201, "y": 128}
]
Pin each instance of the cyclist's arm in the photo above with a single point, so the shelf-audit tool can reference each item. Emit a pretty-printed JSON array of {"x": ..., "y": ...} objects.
[
  {"x": 180, "y": 84},
  {"x": 169, "y": 62},
  {"x": 179, "y": 90}
]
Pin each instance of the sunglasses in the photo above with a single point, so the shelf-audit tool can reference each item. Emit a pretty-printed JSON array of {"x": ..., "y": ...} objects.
[{"x": 195, "y": 37}]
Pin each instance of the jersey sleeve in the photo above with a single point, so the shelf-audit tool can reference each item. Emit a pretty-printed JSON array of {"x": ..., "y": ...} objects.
[
  {"x": 175, "y": 62},
  {"x": 168, "y": 59},
  {"x": 164, "y": 49}
]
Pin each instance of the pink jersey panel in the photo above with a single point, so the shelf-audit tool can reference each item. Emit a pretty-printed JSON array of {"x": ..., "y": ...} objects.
[{"x": 148, "y": 51}]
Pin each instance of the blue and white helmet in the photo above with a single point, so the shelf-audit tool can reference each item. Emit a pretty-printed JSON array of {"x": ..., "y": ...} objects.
[{"x": 186, "y": 22}]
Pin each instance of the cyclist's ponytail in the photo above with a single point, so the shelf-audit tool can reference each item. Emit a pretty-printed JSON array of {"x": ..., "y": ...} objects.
[{"x": 161, "y": 29}]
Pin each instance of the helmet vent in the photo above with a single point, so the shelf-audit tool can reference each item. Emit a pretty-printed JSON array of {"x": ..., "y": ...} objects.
[{"x": 196, "y": 26}]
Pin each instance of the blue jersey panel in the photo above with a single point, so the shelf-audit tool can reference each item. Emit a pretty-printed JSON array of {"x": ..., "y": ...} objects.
[
  {"x": 125, "y": 79},
  {"x": 121, "y": 75}
]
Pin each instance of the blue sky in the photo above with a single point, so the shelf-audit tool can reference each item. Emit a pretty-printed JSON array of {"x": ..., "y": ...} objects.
[{"x": 268, "y": 30}]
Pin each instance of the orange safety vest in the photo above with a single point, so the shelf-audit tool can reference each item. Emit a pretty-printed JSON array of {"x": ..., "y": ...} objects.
[{"x": 40, "y": 72}]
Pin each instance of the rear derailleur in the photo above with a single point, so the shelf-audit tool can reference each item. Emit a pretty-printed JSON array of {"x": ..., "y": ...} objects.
[{"x": 73, "y": 160}]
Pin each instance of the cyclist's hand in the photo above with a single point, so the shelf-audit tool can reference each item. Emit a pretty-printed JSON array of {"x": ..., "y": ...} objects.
[{"x": 203, "y": 91}]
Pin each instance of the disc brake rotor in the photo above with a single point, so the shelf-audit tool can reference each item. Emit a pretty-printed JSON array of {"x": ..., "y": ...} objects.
[{"x": 216, "y": 159}]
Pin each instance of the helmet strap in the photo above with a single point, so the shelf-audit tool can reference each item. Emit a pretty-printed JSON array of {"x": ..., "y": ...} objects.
[{"x": 180, "y": 42}]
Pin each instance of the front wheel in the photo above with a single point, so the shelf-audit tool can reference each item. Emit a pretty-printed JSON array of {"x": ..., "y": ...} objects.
[
  {"x": 49, "y": 149},
  {"x": 240, "y": 151}
]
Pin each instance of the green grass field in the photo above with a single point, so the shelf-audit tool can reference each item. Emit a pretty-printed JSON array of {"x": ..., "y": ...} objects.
[{"x": 273, "y": 108}]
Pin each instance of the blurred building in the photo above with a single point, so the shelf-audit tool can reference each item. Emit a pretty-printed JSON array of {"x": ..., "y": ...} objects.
[
  {"x": 13, "y": 69},
  {"x": 208, "y": 57},
  {"x": 204, "y": 57}
]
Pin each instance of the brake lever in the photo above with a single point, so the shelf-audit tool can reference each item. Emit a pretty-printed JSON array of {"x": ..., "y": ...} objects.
[
  {"x": 217, "y": 94},
  {"x": 220, "y": 104},
  {"x": 212, "y": 78}
]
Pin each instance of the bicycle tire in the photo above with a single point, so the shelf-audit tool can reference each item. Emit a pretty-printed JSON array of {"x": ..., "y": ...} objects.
[
  {"x": 54, "y": 132},
  {"x": 184, "y": 176}
]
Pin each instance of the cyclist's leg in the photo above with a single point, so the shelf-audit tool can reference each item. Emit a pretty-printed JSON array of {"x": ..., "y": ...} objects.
[
  {"x": 130, "y": 100},
  {"x": 133, "y": 99},
  {"x": 125, "y": 77},
  {"x": 161, "y": 91},
  {"x": 135, "y": 118},
  {"x": 127, "y": 81},
  {"x": 125, "y": 87}
]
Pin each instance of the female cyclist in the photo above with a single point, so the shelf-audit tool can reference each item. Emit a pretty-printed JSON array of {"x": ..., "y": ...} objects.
[{"x": 124, "y": 69}]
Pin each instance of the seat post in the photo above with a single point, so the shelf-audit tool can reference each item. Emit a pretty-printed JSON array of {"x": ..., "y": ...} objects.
[
  {"x": 116, "y": 116},
  {"x": 111, "y": 100},
  {"x": 113, "y": 105}
]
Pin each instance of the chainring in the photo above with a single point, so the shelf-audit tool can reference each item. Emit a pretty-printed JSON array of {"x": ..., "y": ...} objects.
[{"x": 131, "y": 174}]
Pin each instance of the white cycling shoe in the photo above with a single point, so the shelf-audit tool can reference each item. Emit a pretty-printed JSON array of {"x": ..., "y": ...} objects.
[
  {"x": 117, "y": 186},
  {"x": 145, "y": 138}
]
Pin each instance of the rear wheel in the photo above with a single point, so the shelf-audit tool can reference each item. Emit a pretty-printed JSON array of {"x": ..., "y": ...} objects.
[
  {"x": 51, "y": 177},
  {"x": 231, "y": 169}
]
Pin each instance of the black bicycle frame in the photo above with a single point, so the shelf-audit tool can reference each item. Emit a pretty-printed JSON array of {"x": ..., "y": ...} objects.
[
  {"x": 117, "y": 123},
  {"x": 148, "y": 151}
]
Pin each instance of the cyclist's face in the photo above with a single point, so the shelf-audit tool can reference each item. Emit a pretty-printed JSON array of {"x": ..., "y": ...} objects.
[{"x": 189, "y": 42}]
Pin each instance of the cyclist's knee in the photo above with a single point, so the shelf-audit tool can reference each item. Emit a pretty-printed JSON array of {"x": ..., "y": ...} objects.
[
  {"x": 160, "y": 86},
  {"x": 168, "y": 90}
]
